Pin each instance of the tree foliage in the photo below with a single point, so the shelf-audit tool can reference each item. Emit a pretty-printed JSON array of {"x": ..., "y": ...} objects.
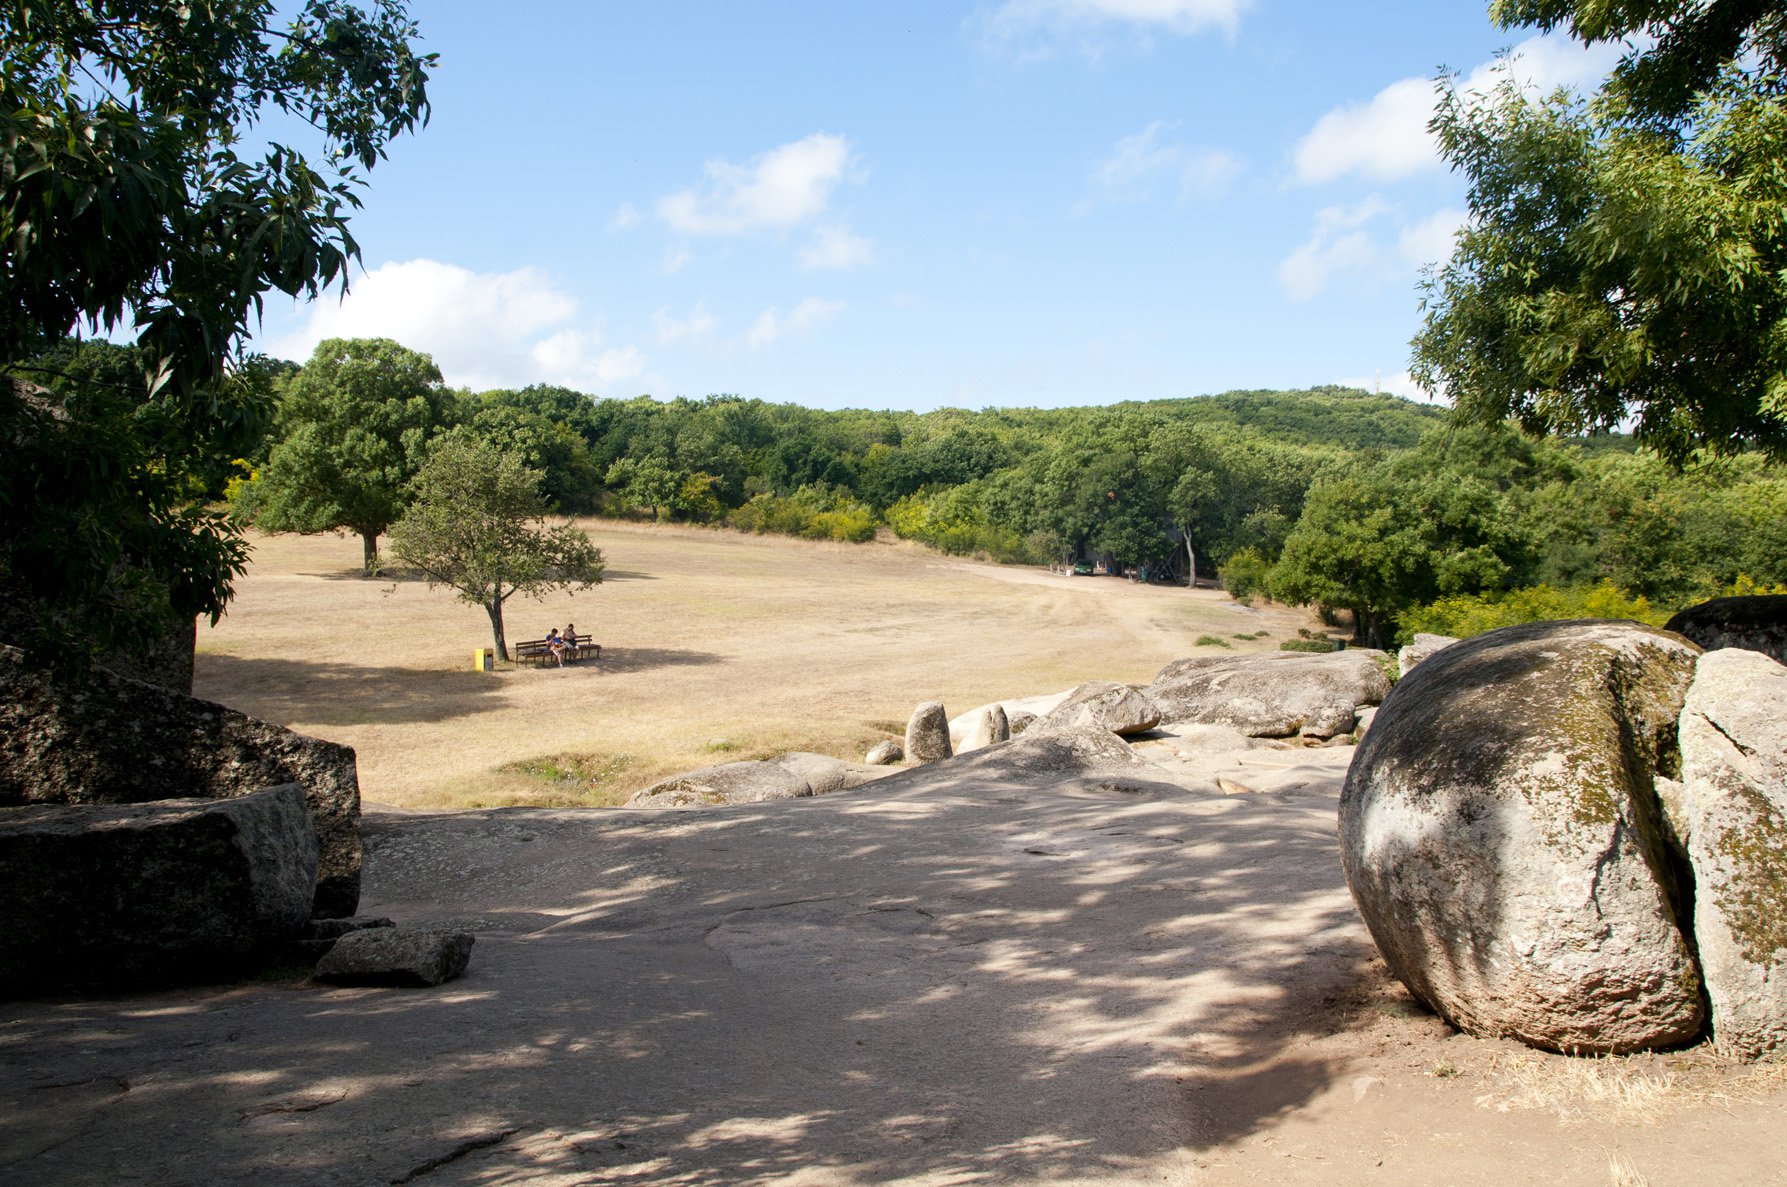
[
  {"x": 478, "y": 525},
  {"x": 129, "y": 201},
  {"x": 354, "y": 429},
  {"x": 1625, "y": 257}
]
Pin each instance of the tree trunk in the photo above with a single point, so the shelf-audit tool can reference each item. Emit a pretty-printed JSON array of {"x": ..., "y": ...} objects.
[
  {"x": 1191, "y": 561},
  {"x": 370, "y": 556},
  {"x": 495, "y": 610}
]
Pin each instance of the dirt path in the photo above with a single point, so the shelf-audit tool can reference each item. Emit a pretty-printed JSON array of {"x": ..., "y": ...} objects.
[{"x": 716, "y": 646}]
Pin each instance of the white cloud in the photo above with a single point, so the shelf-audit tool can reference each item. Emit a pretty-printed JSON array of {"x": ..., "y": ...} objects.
[
  {"x": 1430, "y": 240},
  {"x": 698, "y": 324},
  {"x": 836, "y": 248},
  {"x": 484, "y": 330},
  {"x": 1039, "y": 28},
  {"x": 1385, "y": 138},
  {"x": 1399, "y": 383},
  {"x": 677, "y": 258},
  {"x": 1140, "y": 163},
  {"x": 804, "y": 318},
  {"x": 626, "y": 216},
  {"x": 1353, "y": 243},
  {"x": 780, "y": 188}
]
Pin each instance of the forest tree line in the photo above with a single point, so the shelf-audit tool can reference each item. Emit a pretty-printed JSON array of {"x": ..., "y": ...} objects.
[{"x": 1341, "y": 499}]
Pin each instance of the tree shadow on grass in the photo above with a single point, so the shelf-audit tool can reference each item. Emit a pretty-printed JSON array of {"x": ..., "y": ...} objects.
[
  {"x": 645, "y": 659},
  {"x": 282, "y": 690}
]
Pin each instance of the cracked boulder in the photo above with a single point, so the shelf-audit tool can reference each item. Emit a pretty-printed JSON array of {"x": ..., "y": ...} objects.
[
  {"x": 117, "y": 741},
  {"x": 1272, "y": 694},
  {"x": 1733, "y": 805},
  {"x": 175, "y": 890},
  {"x": 1503, "y": 838},
  {"x": 985, "y": 727},
  {"x": 1104, "y": 705}
]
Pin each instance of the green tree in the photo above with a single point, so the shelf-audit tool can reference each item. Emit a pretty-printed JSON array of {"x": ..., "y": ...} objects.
[
  {"x": 354, "y": 429},
  {"x": 478, "y": 525},
  {"x": 127, "y": 199},
  {"x": 1625, "y": 257},
  {"x": 1377, "y": 538},
  {"x": 650, "y": 484}
]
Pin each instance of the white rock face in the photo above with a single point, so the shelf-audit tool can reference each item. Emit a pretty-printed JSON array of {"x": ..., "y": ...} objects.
[
  {"x": 786, "y": 777},
  {"x": 1424, "y": 645},
  {"x": 1104, "y": 705},
  {"x": 988, "y": 726},
  {"x": 1503, "y": 839},
  {"x": 1273, "y": 694},
  {"x": 1734, "y": 801}
]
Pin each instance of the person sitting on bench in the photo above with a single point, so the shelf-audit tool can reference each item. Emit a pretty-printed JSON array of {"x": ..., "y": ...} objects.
[
  {"x": 570, "y": 638},
  {"x": 556, "y": 646}
]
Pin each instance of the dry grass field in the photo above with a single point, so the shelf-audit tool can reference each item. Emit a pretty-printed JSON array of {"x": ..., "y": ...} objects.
[{"x": 716, "y": 646}]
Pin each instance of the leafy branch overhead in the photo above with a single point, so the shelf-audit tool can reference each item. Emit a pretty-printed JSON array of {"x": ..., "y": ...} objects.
[
  {"x": 135, "y": 197},
  {"x": 1626, "y": 257}
]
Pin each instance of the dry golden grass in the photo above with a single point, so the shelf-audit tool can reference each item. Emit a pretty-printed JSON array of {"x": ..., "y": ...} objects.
[
  {"x": 1643, "y": 1089},
  {"x": 716, "y": 646}
]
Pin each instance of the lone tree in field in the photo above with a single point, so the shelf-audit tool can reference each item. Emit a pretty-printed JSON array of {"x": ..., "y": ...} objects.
[
  {"x": 354, "y": 429},
  {"x": 478, "y": 524}
]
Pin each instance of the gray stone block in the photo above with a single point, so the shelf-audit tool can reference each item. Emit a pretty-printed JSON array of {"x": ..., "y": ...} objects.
[
  {"x": 396, "y": 956},
  {"x": 176, "y": 890}
]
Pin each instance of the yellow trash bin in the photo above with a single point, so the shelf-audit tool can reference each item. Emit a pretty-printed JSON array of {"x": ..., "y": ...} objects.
[{"x": 483, "y": 660}]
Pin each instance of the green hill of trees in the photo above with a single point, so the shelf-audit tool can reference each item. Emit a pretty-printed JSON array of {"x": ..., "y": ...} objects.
[{"x": 1363, "y": 505}]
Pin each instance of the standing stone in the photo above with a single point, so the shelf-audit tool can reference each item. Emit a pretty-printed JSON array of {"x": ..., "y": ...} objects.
[
  {"x": 990, "y": 725},
  {"x": 1734, "y": 776},
  {"x": 927, "y": 733},
  {"x": 1503, "y": 840},
  {"x": 175, "y": 890}
]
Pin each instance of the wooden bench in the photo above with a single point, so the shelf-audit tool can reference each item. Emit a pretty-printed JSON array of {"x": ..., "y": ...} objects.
[{"x": 539, "y": 653}]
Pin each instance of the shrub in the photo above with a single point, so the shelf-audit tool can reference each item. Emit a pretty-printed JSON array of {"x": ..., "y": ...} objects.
[
  {"x": 1211, "y": 641},
  {"x": 1465, "y": 615},
  {"x": 1244, "y": 574},
  {"x": 816, "y": 512}
]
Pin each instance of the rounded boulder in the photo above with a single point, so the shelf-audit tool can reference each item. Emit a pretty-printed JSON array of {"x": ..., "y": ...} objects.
[{"x": 1504, "y": 840}]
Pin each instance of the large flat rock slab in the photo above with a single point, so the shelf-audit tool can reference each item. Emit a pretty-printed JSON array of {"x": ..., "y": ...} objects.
[
  {"x": 177, "y": 890},
  {"x": 1012, "y": 966}
]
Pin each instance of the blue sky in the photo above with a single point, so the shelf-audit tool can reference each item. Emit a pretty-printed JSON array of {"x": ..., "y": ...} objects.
[{"x": 852, "y": 204}]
